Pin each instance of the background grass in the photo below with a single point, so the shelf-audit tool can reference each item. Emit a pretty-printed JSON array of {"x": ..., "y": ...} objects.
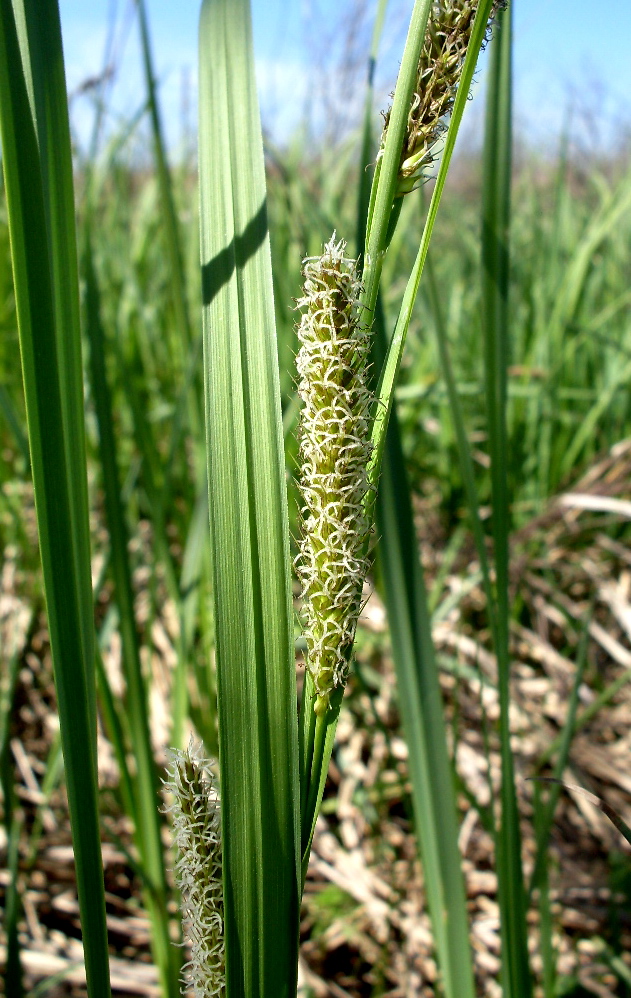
[
  {"x": 552, "y": 222},
  {"x": 570, "y": 226}
]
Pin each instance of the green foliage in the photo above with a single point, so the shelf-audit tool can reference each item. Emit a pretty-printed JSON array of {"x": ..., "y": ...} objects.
[
  {"x": 559, "y": 367},
  {"x": 249, "y": 530},
  {"x": 328, "y": 904},
  {"x": 39, "y": 188}
]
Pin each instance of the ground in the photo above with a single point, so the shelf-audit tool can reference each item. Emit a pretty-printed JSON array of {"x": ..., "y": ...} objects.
[{"x": 365, "y": 931}]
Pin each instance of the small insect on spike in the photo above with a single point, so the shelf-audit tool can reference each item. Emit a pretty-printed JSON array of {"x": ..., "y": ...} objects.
[
  {"x": 197, "y": 834},
  {"x": 334, "y": 451}
]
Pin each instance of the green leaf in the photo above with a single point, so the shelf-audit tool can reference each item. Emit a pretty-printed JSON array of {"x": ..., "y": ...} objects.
[
  {"x": 13, "y": 819},
  {"x": 38, "y": 175},
  {"x": 406, "y": 600},
  {"x": 366, "y": 157},
  {"x": 390, "y": 368},
  {"x": 424, "y": 726},
  {"x": 495, "y": 281},
  {"x": 169, "y": 214},
  {"x": 146, "y": 785},
  {"x": 386, "y": 173},
  {"x": 258, "y": 737}
]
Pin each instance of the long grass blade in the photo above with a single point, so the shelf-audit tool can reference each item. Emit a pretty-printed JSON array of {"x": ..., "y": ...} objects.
[
  {"x": 421, "y": 706},
  {"x": 147, "y": 784},
  {"x": 464, "y": 450},
  {"x": 367, "y": 151},
  {"x": 38, "y": 176},
  {"x": 9, "y": 660},
  {"x": 258, "y": 738},
  {"x": 423, "y": 719},
  {"x": 545, "y": 816},
  {"x": 167, "y": 199},
  {"x": 385, "y": 178},
  {"x": 392, "y": 362},
  {"x": 495, "y": 282}
]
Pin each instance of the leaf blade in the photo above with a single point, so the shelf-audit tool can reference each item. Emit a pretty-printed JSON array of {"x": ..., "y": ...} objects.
[
  {"x": 34, "y": 122},
  {"x": 248, "y": 522}
]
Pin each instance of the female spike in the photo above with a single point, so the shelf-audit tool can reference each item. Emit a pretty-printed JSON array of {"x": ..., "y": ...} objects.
[
  {"x": 197, "y": 833},
  {"x": 334, "y": 449}
]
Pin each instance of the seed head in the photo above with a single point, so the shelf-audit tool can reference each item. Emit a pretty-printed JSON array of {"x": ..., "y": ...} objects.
[
  {"x": 197, "y": 834},
  {"x": 334, "y": 450},
  {"x": 448, "y": 34}
]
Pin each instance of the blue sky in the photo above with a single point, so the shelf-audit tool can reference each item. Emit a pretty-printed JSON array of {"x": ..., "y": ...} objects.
[{"x": 566, "y": 56}]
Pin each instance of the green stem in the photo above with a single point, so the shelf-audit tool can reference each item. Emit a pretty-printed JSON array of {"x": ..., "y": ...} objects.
[{"x": 385, "y": 178}]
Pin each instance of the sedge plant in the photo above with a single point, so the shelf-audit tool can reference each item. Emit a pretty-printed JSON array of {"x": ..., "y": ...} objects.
[
  {"x": 38, "y": 174},
  {"x": 244, "y": 847},
  {"x": 273, "y": 771}
]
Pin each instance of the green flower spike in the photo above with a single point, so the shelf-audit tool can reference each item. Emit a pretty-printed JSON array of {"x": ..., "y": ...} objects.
[
  {"x": 334, "y": 450},
  {"x": 197, "y": 833},
  {"x": 440, "y": 66}
]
